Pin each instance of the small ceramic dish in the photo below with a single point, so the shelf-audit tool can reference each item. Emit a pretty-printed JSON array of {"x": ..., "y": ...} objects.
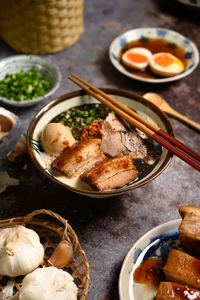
[
  {"x": 63, "y": 103},
  {"x": 155, "y": 243},
  {"x": 45, "y": 67},
  {"x": 173, "y": 37}
]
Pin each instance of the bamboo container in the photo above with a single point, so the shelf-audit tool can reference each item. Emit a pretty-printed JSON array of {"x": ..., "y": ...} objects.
[{"x": 41, "y": 26}]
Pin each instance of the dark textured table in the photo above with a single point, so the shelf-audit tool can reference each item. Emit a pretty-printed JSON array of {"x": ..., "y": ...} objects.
[{"x": 107, "y": 228}]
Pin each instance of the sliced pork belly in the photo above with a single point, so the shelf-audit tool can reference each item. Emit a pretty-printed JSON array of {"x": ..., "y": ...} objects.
[
  {"x": 126, "y": 142},
  {"x": 113, "y": 173},
  {"x": 116, "y": 123},
  {"x": 174, "y": 291},
  {"x": 133, "y": 145},
  {"x": 79, "y": 158},
  {"x": 182, "y": 268},
  {"x": 189, "y": 229},
  {"x": 111, "y": 143}
]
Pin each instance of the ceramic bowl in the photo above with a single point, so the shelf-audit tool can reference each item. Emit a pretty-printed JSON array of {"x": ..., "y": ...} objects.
[
  {"x": 45, "y": 67},
  {"x": 161, "y": 33},
  {"x": 61, "y": 104}
]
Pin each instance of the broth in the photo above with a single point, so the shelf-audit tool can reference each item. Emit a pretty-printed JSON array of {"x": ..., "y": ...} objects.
[{"x": 154, "y": 45}]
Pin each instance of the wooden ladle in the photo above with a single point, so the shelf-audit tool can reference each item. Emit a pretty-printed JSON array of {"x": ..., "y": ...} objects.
[{"x": 164, "y": 106}]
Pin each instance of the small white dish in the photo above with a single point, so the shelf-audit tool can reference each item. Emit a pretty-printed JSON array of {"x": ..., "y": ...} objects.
[
  {"x": 161, "y": 33},
  {"x": 155, "y": 243},
  {"x": 45, "y": 67}
]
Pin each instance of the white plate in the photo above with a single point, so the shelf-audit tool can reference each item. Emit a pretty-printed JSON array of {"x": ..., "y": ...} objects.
[
  {"x": 155, "y": 243},
  {"x": 166, "y": 34}
]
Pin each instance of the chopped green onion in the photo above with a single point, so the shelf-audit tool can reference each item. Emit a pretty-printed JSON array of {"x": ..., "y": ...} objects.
[{"x": 22, "y": 86}]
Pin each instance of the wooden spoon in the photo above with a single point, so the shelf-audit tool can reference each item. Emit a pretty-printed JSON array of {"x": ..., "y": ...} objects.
[{"x": 163, "y": 105}]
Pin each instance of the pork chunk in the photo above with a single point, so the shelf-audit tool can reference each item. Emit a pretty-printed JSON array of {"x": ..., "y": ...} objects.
[
  {"x": 174, "y": 291},
  {"x": 182, "y": 268},
  {"x": 113, "y": 173},
  {"x": 79, "y": 158},
  {"x": 189, "y": 229}
]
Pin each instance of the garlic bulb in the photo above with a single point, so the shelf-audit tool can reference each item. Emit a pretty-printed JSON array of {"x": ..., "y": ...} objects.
[
  {"x": 20, "y": 251},
  {"x": 47, "y": 283}
]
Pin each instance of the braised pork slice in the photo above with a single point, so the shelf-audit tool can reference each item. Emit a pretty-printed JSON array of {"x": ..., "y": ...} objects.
[
  {"x": 113, "y": 173},
  {"x": 79, "y": 158},
  {"x": 174, "y": 291},
  {"x": 182, "y": 268},
  {"x": 116, "y": 123},
  {"x": 126, "y": 142},
  {"x": 111, "y": 142},
  {"x": 189, "y": 229}
]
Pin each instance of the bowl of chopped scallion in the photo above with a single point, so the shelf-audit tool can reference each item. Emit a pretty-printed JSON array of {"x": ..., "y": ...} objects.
[{"x": 26, "y": 80}]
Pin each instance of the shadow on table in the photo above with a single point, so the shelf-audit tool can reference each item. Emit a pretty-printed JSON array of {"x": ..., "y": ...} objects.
[{"x": 178, "y": 9}]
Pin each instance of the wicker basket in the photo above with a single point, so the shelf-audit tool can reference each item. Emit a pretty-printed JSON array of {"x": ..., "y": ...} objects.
[
  {"x": 41, "y": 26},
  {"x": 51, "y": 229}
]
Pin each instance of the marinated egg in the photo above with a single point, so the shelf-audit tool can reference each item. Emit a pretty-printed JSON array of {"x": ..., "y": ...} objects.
[
  {"x": 137, "y": 58},
  {"x": 56, "y": 137},
  {"x": 166, "y": 64}
]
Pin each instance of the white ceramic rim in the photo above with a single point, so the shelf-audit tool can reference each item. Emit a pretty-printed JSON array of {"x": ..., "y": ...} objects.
[
  {"x": 121, "y": 69},
  {"x": 124, "y": 285},
  {"x": 39, "y": 99}
]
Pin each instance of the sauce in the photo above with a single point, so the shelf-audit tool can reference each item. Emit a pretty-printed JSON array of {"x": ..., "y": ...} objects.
[
  {"x": 154, "y": 45},
  {"x": 150, "y": 272}
]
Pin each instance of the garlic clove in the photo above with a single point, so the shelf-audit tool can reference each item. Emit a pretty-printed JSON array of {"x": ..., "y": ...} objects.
[
  {"x": 62, "y": 254},
  {"x": 18, "y": 152},
  {"x": 7, "y": 119},
  {"x": 6, "y": 180}
]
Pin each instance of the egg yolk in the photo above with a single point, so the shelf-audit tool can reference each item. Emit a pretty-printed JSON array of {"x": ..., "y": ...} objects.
[
  {"x": 137, "y": 57},
  {"x": 164, "y": 60}
]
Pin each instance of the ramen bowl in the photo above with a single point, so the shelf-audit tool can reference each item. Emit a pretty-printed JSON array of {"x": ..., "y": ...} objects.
[{"x": 77, "y": 98}]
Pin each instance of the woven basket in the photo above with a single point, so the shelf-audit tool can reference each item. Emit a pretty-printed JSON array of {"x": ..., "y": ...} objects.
[
  {"x": 41, "y": 26},
  {"x": 51, "y": 229}
]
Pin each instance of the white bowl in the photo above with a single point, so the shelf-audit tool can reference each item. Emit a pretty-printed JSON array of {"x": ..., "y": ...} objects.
[
  {"x": 161, "y": 33},
  {"x": 45, "y": 67},
  {"x": 61, "y": 104}
]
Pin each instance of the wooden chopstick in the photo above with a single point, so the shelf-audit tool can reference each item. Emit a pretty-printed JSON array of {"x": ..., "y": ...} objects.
[
  {"x": 150, "y": 125},
  {"x": 152, "y": 130}
]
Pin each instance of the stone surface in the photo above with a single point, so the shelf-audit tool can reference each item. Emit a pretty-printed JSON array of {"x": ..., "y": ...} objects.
[{"x": 107, "y": 228}]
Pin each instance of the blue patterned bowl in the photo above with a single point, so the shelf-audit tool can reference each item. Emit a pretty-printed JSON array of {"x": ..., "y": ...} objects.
[
  {"x": 45, "y": 67},
  {"x": 161, "y": 33}
]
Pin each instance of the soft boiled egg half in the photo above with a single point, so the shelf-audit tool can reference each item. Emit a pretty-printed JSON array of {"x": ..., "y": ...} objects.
[
  {"x": 166, "y": 64},
  {"x": 137, "y": 58}
]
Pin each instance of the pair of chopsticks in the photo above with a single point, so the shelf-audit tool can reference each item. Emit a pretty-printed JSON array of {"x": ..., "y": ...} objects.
[{"x": 153, "y": 131}]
